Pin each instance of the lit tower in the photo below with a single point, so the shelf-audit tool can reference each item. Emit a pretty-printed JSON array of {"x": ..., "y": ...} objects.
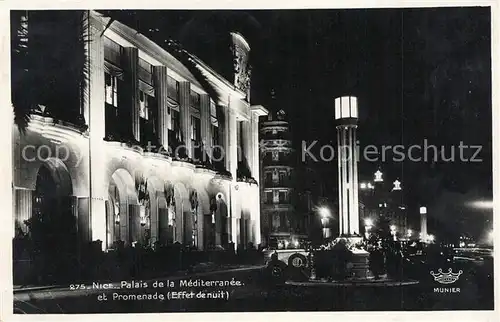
[
  {"x": 423, "y": 223},
  {"x": 346, "y": 118},
  {"x": 278, "y": 215}
]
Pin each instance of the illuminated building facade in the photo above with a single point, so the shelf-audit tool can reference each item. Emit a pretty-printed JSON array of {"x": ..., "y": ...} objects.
[
  {"x": 282, "y": 222},
  {"x": 143, "y": 167}
]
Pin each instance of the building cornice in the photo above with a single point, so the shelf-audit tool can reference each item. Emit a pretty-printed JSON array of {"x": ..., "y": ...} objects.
[
  {"x": 259, "y": 110},
  {"x": 157, "y": 55}
]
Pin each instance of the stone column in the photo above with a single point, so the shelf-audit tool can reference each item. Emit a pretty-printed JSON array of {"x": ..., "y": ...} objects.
[
  {"x": 246, "y": 138},
  {"x": 200, "y": 227},
  {"x": 185, "y": 115},
  {"x": 225, "y": 139},
  {"x": 355, "y": 216},
  {"x": 135, "y": 223},
  {"x": 83, "y": 217},
  {"x": 233, "y": 144},
  {"x": 218, "y": 224},
  {"x": 154, "y": 213},
  {"x": 256, "y": 174},
  {"x": 254, "y": 133},
  {"x": 160, "y": 83},
  {"x": 94, "y": 105},
  {"x": 131, "y": 65},
  {"x": 163, "y": 230},
  {"x": 423, "y": 225},
  {"x": 345, "y": 202},
  {"x": 23, "y": 207},
  {"x": 340, "y": 178},
  {"x": 350, "y": 180},
  {"x": 205, "y": 123},
  {"x": 125, "y": 222}
]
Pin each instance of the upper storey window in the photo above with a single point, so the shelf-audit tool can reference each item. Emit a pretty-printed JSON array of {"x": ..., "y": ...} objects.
[
  {"x": 173, "y": 88},
  {"x": 112, "y": 51},
  {"x": 145, "y": 71},
  {"x": 195, "y": 100},
  {"x": 111, "y": 89}
]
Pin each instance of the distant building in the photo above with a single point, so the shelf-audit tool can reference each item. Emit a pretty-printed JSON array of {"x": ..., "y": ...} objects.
[{"x": 283, "y": 198}]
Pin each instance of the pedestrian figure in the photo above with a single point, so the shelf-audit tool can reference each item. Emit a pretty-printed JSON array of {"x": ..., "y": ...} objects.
[{"x": 376, "y": 261}]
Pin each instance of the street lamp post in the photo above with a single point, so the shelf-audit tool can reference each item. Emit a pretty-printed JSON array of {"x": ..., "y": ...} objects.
[
  {"x": 423, "y": 223},
  {"x": 368, "y": 227},
  {"x": 325, "y": 215},
  {"x": 393, "y": 231}
]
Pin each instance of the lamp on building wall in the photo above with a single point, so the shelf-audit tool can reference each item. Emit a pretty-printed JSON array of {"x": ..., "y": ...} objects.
[
  {"x": 397, "y": 185},
  {"x": 393, "y": 231},
  {"x": 378, "y": 176},
  {"x": 325, "y": 214},
  {"x": 368, "y": 227},
  {"x": 143, "y": 215},
  {"x": 117, "y": 212}
]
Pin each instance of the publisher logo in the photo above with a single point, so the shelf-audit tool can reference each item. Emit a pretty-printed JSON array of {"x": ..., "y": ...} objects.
[{"x": 446, "y": 278}]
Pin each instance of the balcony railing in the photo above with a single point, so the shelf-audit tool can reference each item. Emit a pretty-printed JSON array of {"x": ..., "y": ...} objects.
[{"x": 278, "y": 183}]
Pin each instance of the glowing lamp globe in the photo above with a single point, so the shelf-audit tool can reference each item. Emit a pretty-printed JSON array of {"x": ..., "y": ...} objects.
[
  {"x": 378, "y": 176},
  {"x": 346, "y": 107},
  {"x": 324, "y": 212}
]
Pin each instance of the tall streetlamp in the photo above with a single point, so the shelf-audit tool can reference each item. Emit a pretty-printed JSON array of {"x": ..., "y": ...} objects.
[
  {"x": 325, "y": 216},
  {"x": 346, "y": 117},
  {"x": 423, "y": 223},
  {"x": 397, "y": 185},
  {"x": 368, "y": 227},
  {"x": 393, "y": 232}
]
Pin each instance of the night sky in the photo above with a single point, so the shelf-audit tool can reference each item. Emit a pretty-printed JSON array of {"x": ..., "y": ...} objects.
[{"x": 418, "y": 74}]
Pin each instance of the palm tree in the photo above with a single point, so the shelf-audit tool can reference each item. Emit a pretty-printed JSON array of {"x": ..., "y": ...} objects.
[{"x": 49, "y": 65}]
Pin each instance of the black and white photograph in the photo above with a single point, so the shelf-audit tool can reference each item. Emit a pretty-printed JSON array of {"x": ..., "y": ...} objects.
[{"x": 251, "y": 160}]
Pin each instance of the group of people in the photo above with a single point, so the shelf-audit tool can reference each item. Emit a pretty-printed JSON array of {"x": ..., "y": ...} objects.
[{"x": 385, "y": 258}]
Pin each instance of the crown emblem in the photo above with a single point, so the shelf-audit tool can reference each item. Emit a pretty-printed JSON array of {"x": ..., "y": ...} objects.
[{"x": 446, "y": 278}]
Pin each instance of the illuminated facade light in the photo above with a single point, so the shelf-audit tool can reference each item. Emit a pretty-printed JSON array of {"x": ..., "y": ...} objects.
[
  {"x": 378, "y": 176},
  {"x": 370, "y": 186},
  {"x": 423, "y": 210},
  {"x": 397, "y": 185},
  {"x": 324, "y": 212},
  {"x": 363, "y": 185}
]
